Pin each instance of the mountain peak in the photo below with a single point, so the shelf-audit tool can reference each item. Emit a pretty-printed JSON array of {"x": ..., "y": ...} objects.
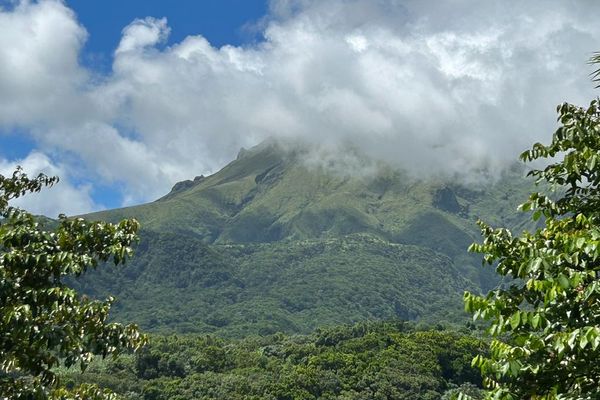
[{"x": 271, "y": 231}]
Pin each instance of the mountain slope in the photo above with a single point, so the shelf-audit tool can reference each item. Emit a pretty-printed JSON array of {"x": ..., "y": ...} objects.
[
  {"x": 241, "y": 289},
  {"x": 268, "y": 194},
  {"x": 270, "y": 243}
]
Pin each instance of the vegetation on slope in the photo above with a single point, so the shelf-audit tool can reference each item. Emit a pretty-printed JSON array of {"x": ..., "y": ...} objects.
[
  {"x": 271, "y": 194},
  {"x": 363, "y": 361},
  {"x": 178, "y": 284},
  {"x": 271, "y": 244}
]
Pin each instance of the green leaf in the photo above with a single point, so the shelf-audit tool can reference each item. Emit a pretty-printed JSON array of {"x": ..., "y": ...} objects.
[
  {"x": 525, "y": 206},
  {"x": 583, "y": 341},
  {"x": 563, "y": 281},
  {"x": 515, "y": 320},
  {"x": 573, "y": 338},
  {"x": 515, "y": 368},
  {"x": 592, "y": 336},
  {"x": 535, "y": 264},
  {"x": 535, "y": 320},
  {"x": 591, "y": 162}
]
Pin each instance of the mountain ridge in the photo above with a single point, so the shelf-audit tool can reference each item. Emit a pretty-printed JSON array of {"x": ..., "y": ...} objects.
[
  {"x": 272, "y": 178},
  {"x": 255, "y": 228}
]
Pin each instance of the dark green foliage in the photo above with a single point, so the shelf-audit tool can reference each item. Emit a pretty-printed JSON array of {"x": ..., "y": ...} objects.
[
  {"x": 363, "y": 361},
  {"x": 546, "y": 324},
  {"x": 44, "y": 323},
  {"x": 178, "y": 284}
]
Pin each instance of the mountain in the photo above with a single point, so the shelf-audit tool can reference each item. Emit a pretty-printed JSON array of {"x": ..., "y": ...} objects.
[{"x": 273, "y": 242}]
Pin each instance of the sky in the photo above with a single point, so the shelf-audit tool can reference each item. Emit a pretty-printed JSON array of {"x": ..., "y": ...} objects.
[{"x": 122, "y": 99}]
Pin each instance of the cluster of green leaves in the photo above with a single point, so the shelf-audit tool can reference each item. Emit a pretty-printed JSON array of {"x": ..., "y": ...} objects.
[
  {"x": 546, "y": 324},
  {"x": 385, "y": 360},
  {"x": 44, "y": 323},
  {"x": 177, "y": 284}
]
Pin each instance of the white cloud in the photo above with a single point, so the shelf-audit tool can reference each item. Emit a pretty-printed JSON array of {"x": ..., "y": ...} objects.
[
  {"x": 64, "y": 197},
  {"x": 39, "y": 72},
  {"x": 432, "y": 86},
  {"x": 142, "y": 33}
]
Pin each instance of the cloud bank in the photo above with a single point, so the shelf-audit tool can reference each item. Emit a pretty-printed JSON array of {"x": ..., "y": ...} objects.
[{"x": 452, "y": 87}]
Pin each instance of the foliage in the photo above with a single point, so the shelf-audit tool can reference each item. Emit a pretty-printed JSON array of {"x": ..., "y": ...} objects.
[
  {"x": 594, "y": 60},
  {"x": 291, "y": 287},
  {"x": 546, "y": 324},
  {"x": 43, "y": 323},
  {"x": 384, "y": 360},
  {"x": 465, "y": 391}
]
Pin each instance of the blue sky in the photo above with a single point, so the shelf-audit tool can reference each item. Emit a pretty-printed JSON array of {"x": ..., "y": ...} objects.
[
  {"x": 221, "y": 22},
  {"x": 122, "y": 99}
]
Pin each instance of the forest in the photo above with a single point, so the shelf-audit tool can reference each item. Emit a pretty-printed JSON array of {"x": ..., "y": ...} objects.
[{"x": 369, "y": 360}]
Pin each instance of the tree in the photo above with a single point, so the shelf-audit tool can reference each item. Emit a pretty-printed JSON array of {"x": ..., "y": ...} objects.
[
  {"x": 545, "y": 325},
  {"x": 43, "y": 322}
]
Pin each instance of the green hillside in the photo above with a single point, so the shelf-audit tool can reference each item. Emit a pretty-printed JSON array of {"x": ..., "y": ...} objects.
[
  {"x": 271, "y": 244},
  {"x": 178, "y": 284}
]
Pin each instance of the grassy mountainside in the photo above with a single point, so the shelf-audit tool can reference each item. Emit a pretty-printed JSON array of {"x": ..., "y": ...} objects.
[
  {"x": 270, "y": 244},
  {"x": 269, "y": 194}
]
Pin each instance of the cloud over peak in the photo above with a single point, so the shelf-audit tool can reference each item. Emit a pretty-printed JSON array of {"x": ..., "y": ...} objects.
[{"x": 430, "y": 86}]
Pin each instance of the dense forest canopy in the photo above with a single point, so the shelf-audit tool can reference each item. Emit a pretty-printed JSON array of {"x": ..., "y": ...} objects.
[{"x": 377, "y": 360}]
